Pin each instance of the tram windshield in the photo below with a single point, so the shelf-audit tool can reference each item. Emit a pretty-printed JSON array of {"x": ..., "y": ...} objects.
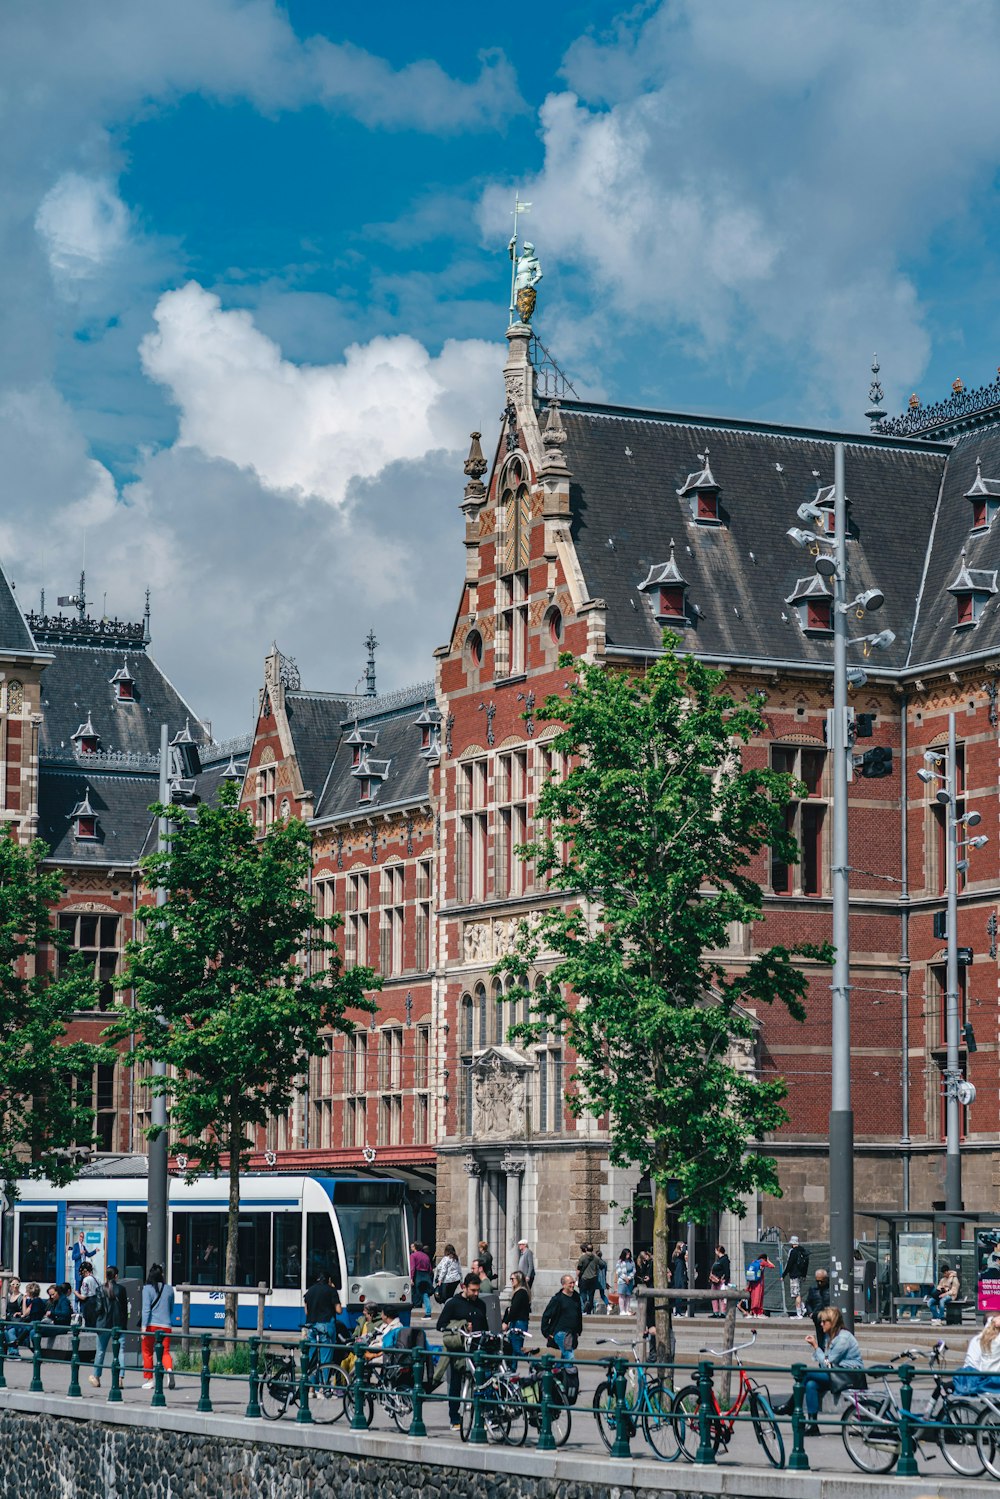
[{"x": 372, "y": 1229}]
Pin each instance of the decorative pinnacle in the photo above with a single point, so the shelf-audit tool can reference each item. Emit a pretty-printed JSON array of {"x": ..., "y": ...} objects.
[
  {"x": 875, "y": 414},
  {"x": 371, "y": 645},
  {"x": 475, "y": 467},
  {"x": 553, "y": 437}
]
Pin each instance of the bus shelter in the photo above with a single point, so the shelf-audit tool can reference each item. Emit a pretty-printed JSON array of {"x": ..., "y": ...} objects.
[{"x": 910, "y": 1252}]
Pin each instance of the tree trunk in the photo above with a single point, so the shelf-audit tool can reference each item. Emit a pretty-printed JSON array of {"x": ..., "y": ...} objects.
[
  {"x": 232, "y": 1236},
  {"x": 661, "y": 1272}
]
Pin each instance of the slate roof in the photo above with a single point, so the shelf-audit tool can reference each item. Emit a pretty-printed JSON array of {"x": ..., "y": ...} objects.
[
  {"x": 627, "y": 468},
  {"x": 398, "y": 742},
  {"x": 78, "y": 682},
  {"x": 315, "y": 719},
  {"x": 14, "y": 632},
  {"x": 120, "y": 801}
]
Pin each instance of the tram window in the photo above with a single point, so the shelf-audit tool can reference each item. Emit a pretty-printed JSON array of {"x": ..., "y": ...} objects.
[
  {"x": 373, "y": 1240},
  {"x": 131, "y": 1259},
  {"x": 253, "y": 1249},
  {"x": 198, "y": 1251},
  {"x": 321, "y": 1247},
  {"x": 36, "y": 1246},
  {"x": 288, "y": 1251}
]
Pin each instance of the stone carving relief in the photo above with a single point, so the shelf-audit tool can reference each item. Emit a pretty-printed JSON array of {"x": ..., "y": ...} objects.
[
  {"x": 498, "y": 1100},
  {"x": 477, "y": 942}
]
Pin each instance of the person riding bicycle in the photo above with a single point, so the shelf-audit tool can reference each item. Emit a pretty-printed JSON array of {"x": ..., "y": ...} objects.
[
  {"x": 322, "y": 1304},
  {"x": 838, "y": 1362},
  {"x": 980, "y": 1372}
]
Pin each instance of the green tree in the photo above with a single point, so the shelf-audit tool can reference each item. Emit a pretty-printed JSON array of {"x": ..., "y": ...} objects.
[
  {"x": 650, "y": 835},
  {"x": 233, "y": 986},
  {"x": 41, "y": 1116}
]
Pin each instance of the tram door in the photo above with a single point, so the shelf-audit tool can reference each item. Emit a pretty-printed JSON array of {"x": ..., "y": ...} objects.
[{"x": 86, "y": 1239}]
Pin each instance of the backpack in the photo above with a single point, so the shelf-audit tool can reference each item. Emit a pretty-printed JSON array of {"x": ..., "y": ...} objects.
[
  {"x": 103, "y": 1306},
  {"x": 754, "y": 1272},
  {"x": 798, "y": 1262},
  {"x": 397, "y": 1363}
]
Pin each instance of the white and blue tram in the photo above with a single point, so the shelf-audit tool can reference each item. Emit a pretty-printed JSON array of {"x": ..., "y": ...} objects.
[{"x": 290, "y": 1227}]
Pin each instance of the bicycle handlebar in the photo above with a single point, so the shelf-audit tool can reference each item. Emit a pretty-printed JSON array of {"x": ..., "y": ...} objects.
[{"x": 728, "y": 1352}]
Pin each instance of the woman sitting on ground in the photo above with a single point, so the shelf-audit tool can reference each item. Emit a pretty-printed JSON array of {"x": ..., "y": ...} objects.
[
  {"x": 841, "y": 1356},
  {"x": 981, "y": 1370}
]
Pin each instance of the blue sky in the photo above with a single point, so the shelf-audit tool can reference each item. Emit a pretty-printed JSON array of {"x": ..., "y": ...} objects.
[{"x": 253, "y": 278}]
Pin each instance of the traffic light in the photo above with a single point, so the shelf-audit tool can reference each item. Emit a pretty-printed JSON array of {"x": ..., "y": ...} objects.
[
  {"x": 876, "y": 762},
  {"x": 970, "y": 1037},
  {"x": 864, "y": 725}
]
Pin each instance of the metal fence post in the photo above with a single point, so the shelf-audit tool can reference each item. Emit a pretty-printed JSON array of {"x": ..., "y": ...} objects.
[
  {"x": 546, "y": 1441},
  {"x": 706, "y": 1414},
  {"x": 204, "y": 1399},
  {"x": 798, "y": 1462},
  {"x": 252, "y": 1411},
  {"x": 35, "y": 1387},
  {"x": 417, "y": 1426},
  {"x": 115, "y": 1392},
  {"x": 3, "y": 1353},
  {"x": 358, "y": 1422},
  {"x": 621, "y": 1447},
  {"x": 159, "y": 1398},
  {"x": 477, "y": 1436},
  {"x": 74, "y": 1363},
  {"x": 303, "y": 1415},
  {"x": 906, "y": 1467}
]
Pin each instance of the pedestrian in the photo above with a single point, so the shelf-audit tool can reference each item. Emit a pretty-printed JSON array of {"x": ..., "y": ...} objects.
[
  {"x": 485, "y": 1258},
  {"x": 421, "y": 1277},
  {"x": 840, "y": 1364},
  {"x": 980, "y": 1371},
  {"x": 795, "y": 1271},
  {"x": 516, "y": 1315},
  {"x": 947, "y": 1288},
  {"x": 718, "y": 1277},
  {"x": 447, "y": 1275},
  {"x": 679, "y": 1275},
  {"x": 562, "y": 1319},
  {"x": 112, "y": 1312},
  {"x": 323, "y": 1307},
  {"x": 586, "y": 1274},
  {"x": 625, "y": 1280},
  {"x": 526, "y": 1262},
  {"x": 755, "y": 1284},
  {"x": 86, "y": 1295},
  {"x": 458, "y": 1313},
  {"x": 157, "y": 1316},
  {"x": 485, "y": 1282},
  {"x": 602, "y": 1281},
  {"x": 646, "y": 1307},
  {"x": 817, "y": 1300}
]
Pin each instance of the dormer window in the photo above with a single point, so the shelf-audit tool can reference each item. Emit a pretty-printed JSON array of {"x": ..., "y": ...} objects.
[
  {"x": 84, "y": 820},
  {"x": 360, "y": 740},
  {"x": 667, "y": 590},
  {"x": 86, "y": 740},
  {"x": 972, "y": 590},
  {"x": 984, "y": 496},
  {"x": 124, "y": 684},
  {"x": 355, "y": 754},
  {"x": 365, "y": 789},
  {"x": 702, "y": 494},
  {"x": 813, "y": 604},
  {"x": 429, "y": 725}
]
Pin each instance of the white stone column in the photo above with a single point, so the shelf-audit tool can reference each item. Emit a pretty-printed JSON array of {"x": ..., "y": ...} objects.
[
  {"x": 474, "y": 1172},
  {"x": 513, "y": 1169}
]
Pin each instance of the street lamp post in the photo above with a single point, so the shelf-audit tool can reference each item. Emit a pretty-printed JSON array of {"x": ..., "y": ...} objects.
[
  {"x": 832, "y": 566},
  {"x": 157, "y": 1148}
]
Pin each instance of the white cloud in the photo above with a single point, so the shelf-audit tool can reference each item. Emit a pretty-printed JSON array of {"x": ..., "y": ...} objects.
[
  {"x": 312, "y": 430},
  {"x": 83, "y": 223}
]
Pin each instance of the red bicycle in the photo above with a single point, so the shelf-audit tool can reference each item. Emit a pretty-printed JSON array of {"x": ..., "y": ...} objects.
[{"x": 687, "y": 1406}]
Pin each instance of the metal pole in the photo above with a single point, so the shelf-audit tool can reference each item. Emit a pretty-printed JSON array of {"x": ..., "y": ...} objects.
[
  {"x": 953, "y": 1155},
  {"x": 841, "y": 1116},
  {"x": 904, "y": 953},
  {"x": 156, "y": 1218}
]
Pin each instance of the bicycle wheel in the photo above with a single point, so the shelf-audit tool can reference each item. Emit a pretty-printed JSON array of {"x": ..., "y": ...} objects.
[
  {"x": 465, "y": 1415},
  {"x": 687, "y": 1430},
  {"x": 606, "y": 1414},
  {"x": 329, "y": 1398},
  {"x": 871, "y": 1443},
  {"x": 562, "y": 1419},
  {"x": 399, "y": 1404},
  {"x": 988, "y": 1440},
  {"x": 766, "y": 1429},
  {"x": 657, "y": 1422},
  {"x": 958, "y": 1437},
  {"x": 514, "y": 1414},
  {"x": 277, "y": 1386}
]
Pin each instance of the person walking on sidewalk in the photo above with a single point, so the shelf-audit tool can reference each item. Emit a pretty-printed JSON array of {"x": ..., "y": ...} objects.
[
  {"x": 795, "y": 1271},
  {"x": 526, "y": 1262},
  {"x": 718, "y": 1278},
  {"x": 447, "y": 1275},
  {"x": 112, "y": 1312},
  {"x": 586, "y": 1274},
  {"x": 625, "y": 1281},
  {"x": 421, "y": 1277},
  {"x": 679, "y": 1276},
  {"x": 157, "y": 1316},
  {"x": 562, "y": 1319}
]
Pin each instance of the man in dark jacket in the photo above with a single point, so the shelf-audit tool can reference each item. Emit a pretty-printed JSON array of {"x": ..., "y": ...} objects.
[
  {"x": 817, "y": 1300},
  {"x": 112, "y": 1312},
  {"x": 461, "y": 1313},
  {"x": 562, "y": 1319},
  {"x": 795, "y": 1271},
  {"x": 587, "y": 1268}
]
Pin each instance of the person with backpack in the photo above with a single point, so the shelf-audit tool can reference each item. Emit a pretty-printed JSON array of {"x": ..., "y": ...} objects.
[
  {"x": 322, "y": 1306},
  {"x": 111, "y": 1313},
  {"x": 755, "y": 1285},
  {"x": 586, "y": 1273},
  {"x": 157, "y": 1316},
  {"x": 86, "y": 1296},
  {"x": 447, "y": 1275},
  {"x": 795, "y": 1271}
]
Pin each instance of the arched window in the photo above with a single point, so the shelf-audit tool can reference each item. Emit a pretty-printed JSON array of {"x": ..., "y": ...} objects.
[
  {"x": 513, "y": 555},
  {"x": 515, "y": 518},
  {"x": 467, "y": 1034},
  {"x": 484, "y": 1039},
  {"x": 499, "y": 1014}
]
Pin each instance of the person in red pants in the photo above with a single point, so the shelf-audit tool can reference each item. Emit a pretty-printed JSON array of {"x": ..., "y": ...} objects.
[{"x": 157, "y": 1316}]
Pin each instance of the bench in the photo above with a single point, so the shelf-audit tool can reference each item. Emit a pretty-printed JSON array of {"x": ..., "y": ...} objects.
[{"x": 953, "y": 1312}]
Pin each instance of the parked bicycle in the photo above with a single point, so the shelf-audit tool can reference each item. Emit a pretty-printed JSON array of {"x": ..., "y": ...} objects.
[
  {"x": 505, "y": 1417},
  {"x": 870, "y": 1423},
  {"x": 529, "y": 1387},
  {"x": 647, "y": 1402},
  {"x": 687, "y": 1405}
]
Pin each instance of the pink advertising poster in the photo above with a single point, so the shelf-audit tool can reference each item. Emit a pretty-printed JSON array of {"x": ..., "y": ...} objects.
[{"x": 988, "y": 1295}]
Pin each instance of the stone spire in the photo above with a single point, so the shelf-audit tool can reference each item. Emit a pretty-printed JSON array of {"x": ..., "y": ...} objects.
[
  {"x": 474, "y": 468},
  {"x": 875, "y": 414},
  {"x": 371, "y": 645},
  {"x": 553, "y": 438}
]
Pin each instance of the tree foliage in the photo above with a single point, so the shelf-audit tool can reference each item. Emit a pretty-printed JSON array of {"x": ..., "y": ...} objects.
[
  {"x": 648, "y": 838},
  {"x": 233, "y": 985},
  {"x": 43, "y": 1115}
]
